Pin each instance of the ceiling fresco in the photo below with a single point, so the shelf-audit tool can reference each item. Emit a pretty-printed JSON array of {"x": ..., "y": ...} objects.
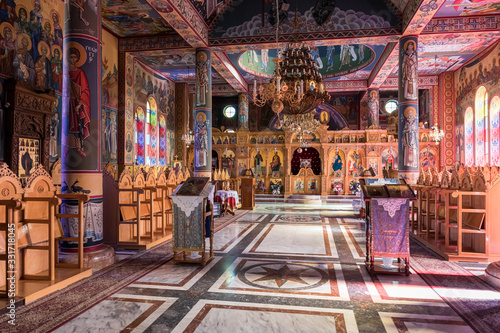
[
  {"x": 363, "y": 73},
  {"x": 132, "y": 18},
  {"x": 180, "y": 67},
  {"x": 452, "y": 8},
  {"x": 356, "y": 63},
  {"x": 448, "y": 53},
  {"x": 207, "y": 8},
  {"x": 452, "y": 44},
  {"x": 167, "y": 62},
  {"x": 434, "y": 65},
  {"x": 245, "y": 18},
  {"x": 242, "y": 25},
  {"x": 332, "y": 61}
]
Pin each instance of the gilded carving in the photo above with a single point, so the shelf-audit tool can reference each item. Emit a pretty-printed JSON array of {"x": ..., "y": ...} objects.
[{"x": 32, "y": 102}]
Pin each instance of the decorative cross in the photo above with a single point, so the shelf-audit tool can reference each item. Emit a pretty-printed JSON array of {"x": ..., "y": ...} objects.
[{"x": 176, "y": 157}]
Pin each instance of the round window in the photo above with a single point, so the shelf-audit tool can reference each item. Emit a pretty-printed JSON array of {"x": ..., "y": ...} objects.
[
  {"x": 391, "y": 106},
  {"x": 229, "y": 111}
]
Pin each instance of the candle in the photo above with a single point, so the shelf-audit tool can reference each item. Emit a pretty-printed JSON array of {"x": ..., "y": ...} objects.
[{"x": 255, "y": 87}]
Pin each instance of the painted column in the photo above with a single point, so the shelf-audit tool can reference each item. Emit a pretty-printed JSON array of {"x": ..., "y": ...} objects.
[
  {"x": 447, "y": 122},
  {"x": 408, "y": 110},
  {"x": 373, "y": 108},
  {"x": 203, "y": 114},
  {"x": 81, "y": 131},
  {"x": 243, "y": 112},
  {"x": 181, "y": 118}
]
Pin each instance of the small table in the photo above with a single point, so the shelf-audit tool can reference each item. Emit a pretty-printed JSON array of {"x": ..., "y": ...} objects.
[{"x": 229, "y": 199}]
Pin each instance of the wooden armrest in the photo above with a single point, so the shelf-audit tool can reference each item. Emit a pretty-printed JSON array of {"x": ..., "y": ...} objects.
[
  {"x": 76, "y": 196},
  {"x": 53, "y": 200},
  {"x": 13, "y": 203},
  {"x": 139, "y": 190},
  {"x": 127, "y": 204}
]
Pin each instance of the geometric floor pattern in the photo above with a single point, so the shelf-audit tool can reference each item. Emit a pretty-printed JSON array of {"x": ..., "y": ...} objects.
[{"x": 284, "y": 270}]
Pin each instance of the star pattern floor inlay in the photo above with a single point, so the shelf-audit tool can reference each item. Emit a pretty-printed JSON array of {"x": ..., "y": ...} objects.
[{"x": 283, "y": 277}]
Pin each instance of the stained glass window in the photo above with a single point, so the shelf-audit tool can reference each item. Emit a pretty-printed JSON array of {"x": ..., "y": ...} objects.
[
  {"x": 139, "y": 136},
  {"x": 153, "y": 131},
  {"x": 494, "y": 131},
  {"x": 469, "y": 136},
  {"x": 479, "y": 120},
  {"x": 162, "y": 134}
]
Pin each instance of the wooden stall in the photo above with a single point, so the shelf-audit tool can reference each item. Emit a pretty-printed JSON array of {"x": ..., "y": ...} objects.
[
  {"x": 36, "y": 213},
  {"x": 458, "y": 215},
  {"x": 137, "y": 210}
]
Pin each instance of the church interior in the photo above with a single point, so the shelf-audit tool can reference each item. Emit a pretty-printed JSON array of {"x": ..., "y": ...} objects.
[{"x": 253, "y": 166}]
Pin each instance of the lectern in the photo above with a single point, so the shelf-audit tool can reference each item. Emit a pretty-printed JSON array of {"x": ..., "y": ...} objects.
[
  {"x": 193, "y": 220},
  {"x": 248, "y": 190},
  {"x": 387, "y": 225}
]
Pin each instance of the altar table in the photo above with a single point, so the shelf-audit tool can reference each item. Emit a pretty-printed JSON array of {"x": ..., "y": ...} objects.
[{"x": 231, "y": 198}]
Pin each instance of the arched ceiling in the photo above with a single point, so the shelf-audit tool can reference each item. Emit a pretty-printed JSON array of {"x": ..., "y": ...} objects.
[
  {"x": 247, "y": 18},
  {"x": 164, "y": 33}
]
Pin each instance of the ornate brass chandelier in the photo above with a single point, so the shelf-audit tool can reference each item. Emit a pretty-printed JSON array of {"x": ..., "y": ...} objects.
[
  {"x": 297, "y": 86},
  {"x": 436, "y": 134},
  {"x": 301, "y": 123},
  {"x": 188, "y": 138}
]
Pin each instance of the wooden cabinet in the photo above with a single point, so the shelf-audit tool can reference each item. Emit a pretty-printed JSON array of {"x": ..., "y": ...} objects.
[{"x": 27, "y": 129}]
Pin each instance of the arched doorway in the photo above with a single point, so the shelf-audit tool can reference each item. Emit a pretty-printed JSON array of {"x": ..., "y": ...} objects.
[
  {"x": 215, "y": 160},
  {"x": 301, "y": 157},
  {"x": 306, "y": 171}
]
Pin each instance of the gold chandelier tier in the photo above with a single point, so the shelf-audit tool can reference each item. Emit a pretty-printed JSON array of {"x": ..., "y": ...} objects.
[
  {"x": 297, "y": 86},
  {"x": 300, "y": 124}
]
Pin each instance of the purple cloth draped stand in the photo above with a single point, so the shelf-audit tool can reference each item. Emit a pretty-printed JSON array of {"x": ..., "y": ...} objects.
[{"x": 390, "y": 228}]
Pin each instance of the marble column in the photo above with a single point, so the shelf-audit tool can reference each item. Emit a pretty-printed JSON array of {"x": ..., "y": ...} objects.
[
  {"x": 203, "y": 115},
  {"x": 243, "y": 112},
  {"x": 408, "y": 110},
  {"x": 81, "y": 131},
  {"x": 373, "y": 108}
]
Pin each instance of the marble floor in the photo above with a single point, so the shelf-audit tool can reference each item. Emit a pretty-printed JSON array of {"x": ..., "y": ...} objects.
[{"x": 280, "y": 268}]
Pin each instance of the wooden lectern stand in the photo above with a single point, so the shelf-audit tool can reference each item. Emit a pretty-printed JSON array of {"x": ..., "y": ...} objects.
[
  {"x": 248, "y": 190},
  {"x": 190, "y": 227},
  {"x": 387, "y": 224}
]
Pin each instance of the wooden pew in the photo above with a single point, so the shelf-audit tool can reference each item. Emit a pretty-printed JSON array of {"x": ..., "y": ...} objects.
[
  {"x": 163, "y": 204},
  {"x": 465, "y": 204},
  {"x": 130, "y": 198},
  {"x": 151, "y": 199},
  {"x": 135, "y": 209},
  {"x": 8, "y": 227},
  {"x": 38, "y": 233},
  {"x": 43, "y": 228}
]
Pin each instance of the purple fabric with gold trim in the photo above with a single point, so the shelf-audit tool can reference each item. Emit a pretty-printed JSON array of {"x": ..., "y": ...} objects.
[{"x": 390, "y": 233}]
